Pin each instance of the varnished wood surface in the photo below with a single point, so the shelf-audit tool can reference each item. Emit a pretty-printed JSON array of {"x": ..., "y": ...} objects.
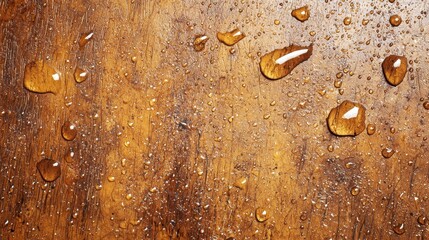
[{"x": 190, "y": 124}]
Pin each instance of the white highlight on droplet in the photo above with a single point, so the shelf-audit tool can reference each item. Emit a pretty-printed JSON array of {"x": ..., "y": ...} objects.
[
  {"x": 236, "y": 34},
  {"x": 83, "y": 74},
  {"x": 352, "y": 113},
  {"x": 203, "y": 38},
  {"x": 56, "y": 76},
  {"x": 89, "y": 36},
  {"x": 397, "y": 63},
  {"x": 55, "y": 164},
  {"x": 290, "y": 56}
]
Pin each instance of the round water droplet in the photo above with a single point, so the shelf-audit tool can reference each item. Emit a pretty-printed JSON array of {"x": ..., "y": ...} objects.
[
  {"x": 426, "y": 105},
  {"x": 49, "y": 169},
  {"x": 330, "y": 148},
  {"x": 394, "y": 69},
  {"x": 355, "y": 191},
  {"x": 69, "y": 131},
  {"x": 370, "y": 129},
  {"x": 395, "y": 20},
  {"x": 80, "y": 75},
  {"x": 387, "y": 152},
  {"x": 301, "y": 14},
  {"x": 348, "y": 119},
  {"x": 399, "y": 229},
  {"x": 261, "y": 215},
  {"x": 230, "y": 38},
  {"x": 85, "y": 38},
  {"x": 200, "y": 42},
  {"x": 347, "y": 21},
  {"x": 41, "y": 78}
]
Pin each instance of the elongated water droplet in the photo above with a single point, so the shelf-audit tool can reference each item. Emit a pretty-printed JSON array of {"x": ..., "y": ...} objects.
[
  {"x": 301, "y": 14},
  {"x": 280, "y": 62},
  {"x": 230, "y": 38},
  {"x": 387, "y": 152},
  {"x": 348, "y": 119},
  {"x": 394, "y": 69},
  {"x": 69, "y": 131},
  {"x": 200, "y": 42},
  {"x": 241, "y": 183},
  {"x": 85, "y": 38},
  {"x": 49, "y": 169},
  {"x": 80, "y": 74},
  {"x": 41, "y": 78},
  {"x": 261, "y": 214}
]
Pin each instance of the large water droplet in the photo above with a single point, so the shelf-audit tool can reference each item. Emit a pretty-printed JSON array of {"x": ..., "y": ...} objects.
[
  {"x": 348, "y": 119},
  {"x": 261, "y": 214},
  {"x": 280, "y": 62},
  {"x": 200, "y": 42},
  {"x": 69, "y": 131},
  {"x": 231, "y": 38},
  {"x": 41, "y": 78},
  {"x": 399, "y": 229},
  {"x": 395, "y": 20},
  {"x": 394, "y": 69},
  {"x": 49, "y": 169},
  {"x": 85, "y": 38},
  {"x": 301, "y": 14},
  {"x": 80, "y": 74}
]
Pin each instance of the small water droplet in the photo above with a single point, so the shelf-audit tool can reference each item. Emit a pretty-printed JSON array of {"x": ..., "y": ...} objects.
[
  {"x": 230, "y": 38},
  {"x": 85, "y": 38},
  {"x": 347, "y": 21},
  {"x": 280, "y": 62},
  {"x": 387, "y": 152},
  {"x": 370, "y": 129},
  {"x": 426, "y": 105},
  {"x": 41, "y": 78},
  {"x": 69, "y": 131},
  {"x": 49, "y": 169},
  {"x": 80, "y": 75},
  {"x": 276, "y": 22},
  {"x": 348, "y": 119},
  {"x": 394, "y": 69},
  {"x": 395, "y": 20},
  {"x": 330, "y": 148},
  {"x": 365, "y": 22},
  {"x": 261, "y": 214},
  {"x": 399, "y": 229},
  {"x": 338, "y": 83},
  {"x": 355, "y": 191},
  {"x": 301, "y": 14},
  {"x": 200, "y": 42},
  {"x": 111, "y": 179},
  {"x": 241, "y": 183},
  {"x": 422, "y": 220}
]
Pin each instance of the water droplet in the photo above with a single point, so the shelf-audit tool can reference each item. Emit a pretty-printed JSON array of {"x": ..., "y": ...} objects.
[
  {"x": 301, "y": 14},
  {"x": 338, "y": 83},
  {"x": 426, "y": 105},
  {"x": 387, "y": 152},
  {"x": 347, "y": 21},
  {"x": 276, "y": 22},
  {"x": 365, "y": 22},
  {"x": 330, "y": 148},
  {"x": 355, "y": 191},
  {"x": 80, "y": 75},
  {"x": 69, "y": 131},
  {"x": 200, "y": 42},
  {"x": 392, "y": 130},
  {"x": 280, "y": 62},
  {"x": 395, "y": 20},
  {"x": 399, "y": 229},
  {"x": 394, "y": 69},
  {"x": 41, "y": 78},
  {"x": 261, "y": 215},
  {"x": 348, "y": 119},
  {"x": 370, "y": 129},
  {"x": 111, "y": 179},
  {"x": 85, "y": 38},
  {"x": 241, "y": 183},
  {"x": 422, "y": 220},
  {"x": 49, "y": 169},
  {"x": 230, "y": 38}
]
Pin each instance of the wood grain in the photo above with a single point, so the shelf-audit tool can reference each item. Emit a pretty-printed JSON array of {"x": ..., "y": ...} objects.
[{"x": 164, "y": 132}]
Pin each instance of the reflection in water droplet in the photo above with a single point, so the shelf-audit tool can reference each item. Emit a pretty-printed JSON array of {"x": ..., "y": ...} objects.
[
  {"x": 387, "y": 152},
  {"x": 230, "y": 38},
  {"x": 338, "y": 83},
  {"x": 399, "y": 229},
  {"x": 302, "y": 14},
  {"x": 200, "y": 42},
  {"x": 49, "y": 169},
  {"x": 394, "y": 69},
  {"x": 241, "y": 183},
  {"x": 395, "y": 20},
  {"x": 370, "y": 129},
  {"x": 355, "y": 191},
  {"x": 422, "y": 220},
  {"x": 348, "y": 119},
  {"x": 80, "y": 75},
  {"x": 69, "y": 131},
  {"x": 280, "y": 62},
  {"x": 85, "y": 38},
  {"x": 347, "y": 21},
  {"x": 41, "y": 78},
  {"x": 261, "y": 215},
  {"x": 426, "y": 105}
]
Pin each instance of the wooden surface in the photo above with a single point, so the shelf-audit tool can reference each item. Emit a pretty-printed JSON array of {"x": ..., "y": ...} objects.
[{"x": 191, "y": 124}]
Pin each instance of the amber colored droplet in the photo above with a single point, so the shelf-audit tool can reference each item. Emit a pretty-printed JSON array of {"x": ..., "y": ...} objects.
[
  {"x": 394, "y": 69},
  {"x": 426, "y": 105},
  {"x": 280, "y": 62},
  {"x": 330, "y": 148},
  {"x": 370, "y": 129},
  {"x": 395, "y": 20},
  {"x": 301, "y": 14},
  {"x": 365, "y": 22},
  {"x": 261, "y": 215},
  {"x": 85, "y": 38},
  {"x": 69, "y": 131},
  {"x": 276, "y": 22},
  {"x": 49, "y": 169},
  {"x": 355, "y": 191},
  {"x": 241, "y": 183},
  {"x": 80, "y": 75},
  {"x": 230, "y": 38},
  {"x": 399, "y": 229},
  {"x": 422, "y": 220},
  {"x": 339, "y": 75},
  {"x": 347, "y": 20},
  {"x": 348, "y": 119},
  {"x": 41, "y": 78},
  {"x": 200, "y": 42},
  {"x": 338, "y": 83},
  {"x": 387, "y": 152}
]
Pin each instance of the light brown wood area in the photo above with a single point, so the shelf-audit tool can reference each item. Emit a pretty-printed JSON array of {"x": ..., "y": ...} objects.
[{"x": 174, "y": 143}]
